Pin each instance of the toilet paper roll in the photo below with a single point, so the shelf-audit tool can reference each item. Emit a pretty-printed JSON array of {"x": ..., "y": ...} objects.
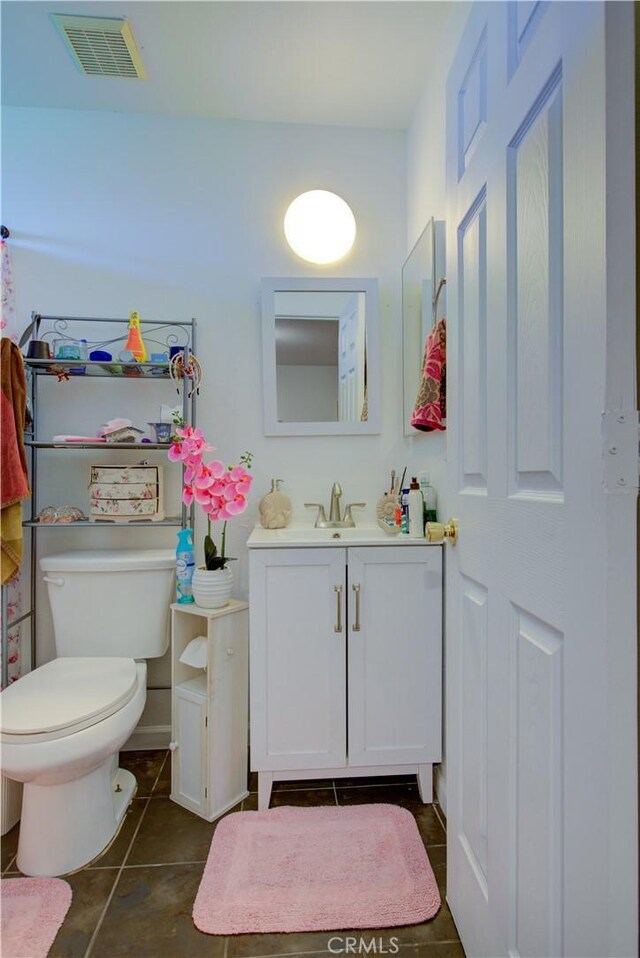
[{"x": 195, "y": 653}]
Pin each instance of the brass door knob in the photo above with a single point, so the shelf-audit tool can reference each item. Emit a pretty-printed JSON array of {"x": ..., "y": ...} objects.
[{"x": 439, "y": 531}]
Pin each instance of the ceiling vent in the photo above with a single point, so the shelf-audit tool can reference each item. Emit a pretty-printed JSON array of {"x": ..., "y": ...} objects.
[{"x": 101, "y": 46}]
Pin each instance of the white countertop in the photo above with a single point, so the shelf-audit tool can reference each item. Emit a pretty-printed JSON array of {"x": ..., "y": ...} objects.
[{"x": 302, "y": 535}]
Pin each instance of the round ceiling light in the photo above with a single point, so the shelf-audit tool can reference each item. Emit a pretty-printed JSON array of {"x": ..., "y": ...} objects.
[{"x": 320, "y": 227}]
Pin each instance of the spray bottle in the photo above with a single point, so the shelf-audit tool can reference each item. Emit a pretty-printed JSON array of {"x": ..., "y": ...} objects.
[{"x": 185, "y": 565}]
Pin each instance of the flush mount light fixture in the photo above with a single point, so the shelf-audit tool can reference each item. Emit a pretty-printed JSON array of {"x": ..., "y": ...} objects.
[{"x": 320, "y": 227}]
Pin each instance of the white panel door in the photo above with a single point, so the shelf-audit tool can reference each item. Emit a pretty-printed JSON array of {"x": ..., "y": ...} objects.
[
  {"x": 541, "y": 760},
  {"x": 298, "y": 658},
  {"x": 395, "y": 655}
]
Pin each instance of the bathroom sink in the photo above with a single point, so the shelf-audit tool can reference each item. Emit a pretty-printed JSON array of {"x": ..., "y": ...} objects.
[{"x": 303, "y": 535}]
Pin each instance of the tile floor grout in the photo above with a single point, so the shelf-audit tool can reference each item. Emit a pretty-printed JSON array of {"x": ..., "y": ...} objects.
[
  {"x": 113, "y": 904},
  {"x": 96, "y": 930},
  {"x": 115, "y": 882},
  {"x": 325, "y": 951},
  {"x": 336, "y": 784},
  {"x": 436, "y": 809}
]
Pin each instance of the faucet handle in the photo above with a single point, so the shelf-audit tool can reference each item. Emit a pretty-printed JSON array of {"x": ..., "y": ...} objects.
[
  {"x": 348, "y": 518},
  {"x": 321, "y": 517}
]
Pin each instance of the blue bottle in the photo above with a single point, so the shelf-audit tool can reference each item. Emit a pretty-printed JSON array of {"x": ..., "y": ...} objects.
[{"x": 185, "y": 565}]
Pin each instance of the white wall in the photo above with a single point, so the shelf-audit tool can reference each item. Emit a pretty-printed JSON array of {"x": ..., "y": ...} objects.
[
  {"x": 426, "y": 183},
  {"x": 179, "y": 218},
  {"x": 426, "y": 197}
]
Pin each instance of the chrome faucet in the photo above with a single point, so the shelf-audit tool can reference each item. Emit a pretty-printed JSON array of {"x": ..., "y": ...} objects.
[
  {"x": 334, "y": 521},
  {"x": 334, "y": 508}
]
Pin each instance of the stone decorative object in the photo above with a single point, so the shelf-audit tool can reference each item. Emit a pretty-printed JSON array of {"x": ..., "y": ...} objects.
[{"x": 275, "y": 508}]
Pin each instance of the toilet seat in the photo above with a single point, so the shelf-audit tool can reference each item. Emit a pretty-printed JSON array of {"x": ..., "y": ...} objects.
[{"x": 65, "y": 696}]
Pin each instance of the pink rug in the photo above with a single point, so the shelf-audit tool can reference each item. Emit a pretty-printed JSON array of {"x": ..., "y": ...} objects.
[
  {"x": 315, "y": 869},
  {"x": 32, "y": 911}
]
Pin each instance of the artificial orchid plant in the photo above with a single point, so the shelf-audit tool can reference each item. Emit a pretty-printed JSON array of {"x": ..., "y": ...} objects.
[{"x": 220, "y": 490}]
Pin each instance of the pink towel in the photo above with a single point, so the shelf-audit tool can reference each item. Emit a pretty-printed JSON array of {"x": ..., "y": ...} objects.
[{"x": 430, "y": 410}]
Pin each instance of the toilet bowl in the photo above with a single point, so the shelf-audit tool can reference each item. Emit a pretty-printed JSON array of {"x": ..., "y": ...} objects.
[{"x": 62, "y": 725}]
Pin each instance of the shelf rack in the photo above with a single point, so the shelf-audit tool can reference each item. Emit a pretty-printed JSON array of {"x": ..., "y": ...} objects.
[{"x": 163, "y": 334}]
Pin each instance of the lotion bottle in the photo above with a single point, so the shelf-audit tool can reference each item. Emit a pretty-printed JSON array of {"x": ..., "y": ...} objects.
[
  {"x": 275, "y": 508},
  {"x": 416, "y": 511}
]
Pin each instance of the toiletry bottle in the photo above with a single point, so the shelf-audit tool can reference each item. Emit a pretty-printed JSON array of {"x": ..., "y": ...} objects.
[
  {"x": 275, "y": 508},
  {"x": 416, "y": 511},
  {"x": 404, "y": 529},
  {"x": 429, "y": 497},
  {"x": 185, "y": 565},
  {"x": 78, "y": 351},
  {"x": 84, "y": 354}
]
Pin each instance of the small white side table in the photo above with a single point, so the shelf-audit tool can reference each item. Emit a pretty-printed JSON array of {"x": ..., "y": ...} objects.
[{"x": 209, "y": 737}]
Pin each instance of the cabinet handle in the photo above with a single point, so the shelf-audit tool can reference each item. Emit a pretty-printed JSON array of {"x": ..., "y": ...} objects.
[
  {"x": 338, "y": 591},
  {"x": 356, "y": 624}
]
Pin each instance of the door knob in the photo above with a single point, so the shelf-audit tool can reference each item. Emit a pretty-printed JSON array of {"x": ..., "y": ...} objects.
[{"x": 438, "y": 531}]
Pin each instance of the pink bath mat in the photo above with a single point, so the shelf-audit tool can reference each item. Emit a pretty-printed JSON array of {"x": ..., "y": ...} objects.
[
  {"x": 32, "y": 911},
  {"x": 315, "y": 869}
]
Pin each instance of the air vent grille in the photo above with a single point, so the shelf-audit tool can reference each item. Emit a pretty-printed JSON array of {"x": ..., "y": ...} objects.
[{"x": 101, "y": 46}]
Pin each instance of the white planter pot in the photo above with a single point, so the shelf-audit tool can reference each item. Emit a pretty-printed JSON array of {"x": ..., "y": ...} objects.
[{"x": 212, "y": 588}]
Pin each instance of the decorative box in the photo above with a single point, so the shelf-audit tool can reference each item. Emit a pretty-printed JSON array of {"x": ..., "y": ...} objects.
[{"x": 126, "y": 493}]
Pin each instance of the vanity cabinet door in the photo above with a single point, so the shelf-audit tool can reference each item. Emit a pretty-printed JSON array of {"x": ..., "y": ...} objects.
[
  {"x": 298, "y": 659},
  {"x": 395, "y": 655}
]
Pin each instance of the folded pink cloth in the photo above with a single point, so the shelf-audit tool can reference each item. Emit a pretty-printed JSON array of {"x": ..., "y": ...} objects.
[{"x": 430, "y": 410}]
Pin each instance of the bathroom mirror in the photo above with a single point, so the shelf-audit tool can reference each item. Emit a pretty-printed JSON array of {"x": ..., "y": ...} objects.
[
  {"x": 320, "y": 357},
  {"x": 421, "y": 275}
]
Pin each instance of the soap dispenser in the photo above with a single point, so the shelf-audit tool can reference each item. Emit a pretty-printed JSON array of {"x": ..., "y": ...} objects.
[{"x": 275, "y": 508}]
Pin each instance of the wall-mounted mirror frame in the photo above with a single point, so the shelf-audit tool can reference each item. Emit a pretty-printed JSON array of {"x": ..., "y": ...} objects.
[
  {"x": 422, "y": 271},
  {"x": 274, "y": 425}
]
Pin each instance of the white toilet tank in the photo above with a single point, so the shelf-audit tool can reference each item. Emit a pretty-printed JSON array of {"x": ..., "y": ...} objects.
[{"x": 112, "y": 602}]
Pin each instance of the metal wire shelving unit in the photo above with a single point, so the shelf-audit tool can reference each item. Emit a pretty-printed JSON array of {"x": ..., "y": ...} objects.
[{"x": 163, "y": 334}]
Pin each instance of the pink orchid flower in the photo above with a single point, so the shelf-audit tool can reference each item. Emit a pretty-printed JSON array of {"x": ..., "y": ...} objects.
[{"x": 219, "y": 490}]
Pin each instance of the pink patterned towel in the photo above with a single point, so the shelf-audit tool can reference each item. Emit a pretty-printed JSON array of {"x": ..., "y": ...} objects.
[
  {"x": 430, "y": 411},
  {"x": 32, "y": 911},
  {"x": 315, "y": 869}
]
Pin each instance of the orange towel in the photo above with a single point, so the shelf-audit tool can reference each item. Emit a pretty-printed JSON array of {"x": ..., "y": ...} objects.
[
  {"x": 14, "y": 481},
  {"x": 430, "y": 411}
]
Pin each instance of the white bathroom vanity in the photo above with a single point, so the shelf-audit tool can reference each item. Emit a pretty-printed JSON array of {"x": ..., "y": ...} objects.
[{"x": 345, "y": 655}]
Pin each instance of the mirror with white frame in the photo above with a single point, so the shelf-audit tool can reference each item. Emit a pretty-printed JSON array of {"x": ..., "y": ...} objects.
[
  {"x": 422, "y": 272},
  {"x": 320, "y": 347}
]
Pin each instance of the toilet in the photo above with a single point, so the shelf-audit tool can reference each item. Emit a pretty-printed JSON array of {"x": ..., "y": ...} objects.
[{"x": 63, "y": 724}]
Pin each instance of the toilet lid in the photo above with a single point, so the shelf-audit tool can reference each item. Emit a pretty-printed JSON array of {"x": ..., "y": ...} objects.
[{"x": 67, "y": 694}]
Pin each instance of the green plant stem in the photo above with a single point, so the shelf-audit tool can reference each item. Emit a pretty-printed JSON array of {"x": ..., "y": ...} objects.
[{"x": 222, "y": 541}]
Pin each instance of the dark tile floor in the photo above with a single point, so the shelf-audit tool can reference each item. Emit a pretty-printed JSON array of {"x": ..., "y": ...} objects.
[{"x": 136, "y": 900}]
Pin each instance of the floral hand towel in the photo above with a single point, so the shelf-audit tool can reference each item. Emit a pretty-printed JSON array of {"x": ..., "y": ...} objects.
[{"x": 430, "y": 410}]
